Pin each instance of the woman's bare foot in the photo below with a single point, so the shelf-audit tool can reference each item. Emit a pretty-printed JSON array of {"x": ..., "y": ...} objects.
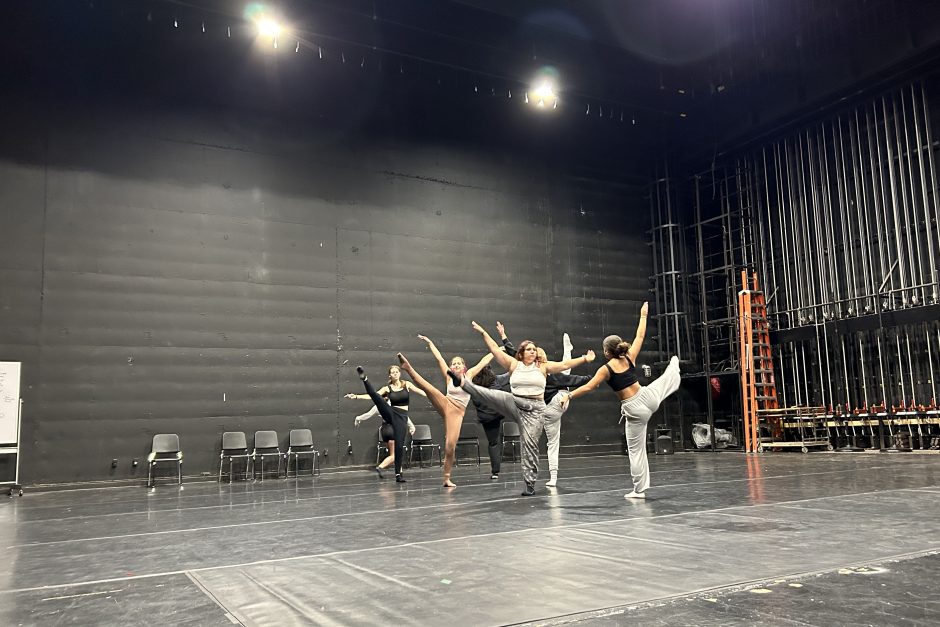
[
  {"x": 405, "y": 364},
  {"x": 448, "y": 483}
]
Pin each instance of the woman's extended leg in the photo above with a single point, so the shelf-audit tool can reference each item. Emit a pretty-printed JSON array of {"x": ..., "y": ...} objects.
[
  {"x": 438, "y": 400},
  {"x": 501, "y": 402},
  {"x": 666, "y": 384}
]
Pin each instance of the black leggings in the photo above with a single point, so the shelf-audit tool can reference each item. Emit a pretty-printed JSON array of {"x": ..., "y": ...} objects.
[
  {"x": 395, "y": 416},
  {"x": 491, "y": 428}
]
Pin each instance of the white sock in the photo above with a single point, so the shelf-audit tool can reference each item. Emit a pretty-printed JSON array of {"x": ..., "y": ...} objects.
[
  {"x": 553, "y": 481},
  {"x": 568, "y": 347}
]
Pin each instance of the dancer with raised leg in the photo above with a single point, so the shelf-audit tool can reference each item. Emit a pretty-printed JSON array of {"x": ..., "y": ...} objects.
[
  {"x": 396, "y": 417},
  {"x": 451, "y": 406},
  {"x": 526, "y": 404},
  {"x": 554, "y": 383},
  {"x": 637, "y": 402},
  {"x": 396, "y": 393}
]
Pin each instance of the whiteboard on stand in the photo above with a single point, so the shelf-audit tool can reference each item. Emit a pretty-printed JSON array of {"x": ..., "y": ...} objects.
[{"x": 9, "y": 401}]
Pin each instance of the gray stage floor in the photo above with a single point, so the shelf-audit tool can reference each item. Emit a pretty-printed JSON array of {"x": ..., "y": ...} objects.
[{"x": 817, "y": 539}]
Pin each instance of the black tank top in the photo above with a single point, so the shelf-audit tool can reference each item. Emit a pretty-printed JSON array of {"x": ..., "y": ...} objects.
[
  {"x": 622, "y": 380},
  {"x": 398, "y": 398}
]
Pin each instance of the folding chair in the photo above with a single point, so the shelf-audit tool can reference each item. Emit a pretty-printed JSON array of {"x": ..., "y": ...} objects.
[
  {"x": 301, "y": 443},
  {"x": 234, "y": 447},
  {"x": 380, "y": 446},
  {"x": 421, "y": 439},
  {"x": 266, "y": 445},
  {"x": 469, "y": 436},
  {"x": 512, "y": 437},
  {"x": 165, "y": 448}
]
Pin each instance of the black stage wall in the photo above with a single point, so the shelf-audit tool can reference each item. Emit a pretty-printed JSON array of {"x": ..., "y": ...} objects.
[{"x": 198, "y": 269}]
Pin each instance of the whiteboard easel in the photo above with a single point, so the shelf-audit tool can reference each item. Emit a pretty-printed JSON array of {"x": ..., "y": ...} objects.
[{"x": 11, "y": 412}]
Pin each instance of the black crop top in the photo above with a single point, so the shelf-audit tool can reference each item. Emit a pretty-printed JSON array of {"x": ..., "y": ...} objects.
[
  {"x": 622, "y": 380},
  {"x": 398, "y": 398}
]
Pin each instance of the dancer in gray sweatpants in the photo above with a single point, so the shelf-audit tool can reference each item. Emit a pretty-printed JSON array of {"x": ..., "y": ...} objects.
[
  {"x": 554, "y": 383},
  {"x": 637, "y": 403},
  {"x": 525, "y": 404}
]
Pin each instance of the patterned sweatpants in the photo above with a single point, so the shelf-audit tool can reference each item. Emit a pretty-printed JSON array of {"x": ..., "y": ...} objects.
[{"x": 532, "y": 415}]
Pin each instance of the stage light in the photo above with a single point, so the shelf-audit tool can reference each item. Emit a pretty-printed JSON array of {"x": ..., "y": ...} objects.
[
  {"x": 268, "y": 22},
  {"x": 544, "y": 92},
  {"x": 544, "y": 89},
  {"x": 268, "y": 28}
]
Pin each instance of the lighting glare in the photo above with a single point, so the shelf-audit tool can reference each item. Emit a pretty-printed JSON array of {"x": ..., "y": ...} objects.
[
  {"x": 268, "y": 28},
  {"x": 544, "y": 89}
]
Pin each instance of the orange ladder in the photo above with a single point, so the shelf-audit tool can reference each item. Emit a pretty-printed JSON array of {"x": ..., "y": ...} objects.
[{"x": 758, "y": 390}]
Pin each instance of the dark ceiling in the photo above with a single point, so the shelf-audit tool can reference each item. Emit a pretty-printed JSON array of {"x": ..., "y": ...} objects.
[{"x": 641, "y": 78}]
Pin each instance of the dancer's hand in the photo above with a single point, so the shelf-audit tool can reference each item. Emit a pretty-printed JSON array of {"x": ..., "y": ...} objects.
[
  {"x": 411, "y": 430},
  {"x": 425, "y": 339},
  {"x": 589, "y": 356},
  {"x": 351, "y": 396},
  {"x": 644, "y": 310},
  {"x": 477, "y": 327},
  {"x": 565, "y": 399},
  {"x": 501, "y": 330}
]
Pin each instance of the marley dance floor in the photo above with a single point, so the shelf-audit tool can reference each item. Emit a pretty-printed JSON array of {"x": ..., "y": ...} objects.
[{"x": 816, "y": 539}]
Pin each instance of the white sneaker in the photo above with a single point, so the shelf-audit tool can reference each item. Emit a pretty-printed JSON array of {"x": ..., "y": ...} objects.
[
  {"x": 635, "y": 495},
  {"x": 551, "y": 483}
]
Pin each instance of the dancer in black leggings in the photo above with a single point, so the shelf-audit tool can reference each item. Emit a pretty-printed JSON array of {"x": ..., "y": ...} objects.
[
  {"x": 394, "y": 417},
  {"x": 491, "y": 420},
  {"x": 397, "y": 393}
]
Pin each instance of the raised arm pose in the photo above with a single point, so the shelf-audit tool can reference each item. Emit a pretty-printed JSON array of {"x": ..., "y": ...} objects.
[
  {"x": 526, "y": 403},
  {"x": 394, "y": 398},
  {"x": 637, "y": 402},
  {"x": 554, "y": 383},
  {"x": 451, "y": 406}
]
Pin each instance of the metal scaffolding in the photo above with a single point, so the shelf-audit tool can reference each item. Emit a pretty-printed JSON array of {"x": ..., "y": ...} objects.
[
  {"x": 841, "y": 221},
  {"x": 670, "y": 306}
]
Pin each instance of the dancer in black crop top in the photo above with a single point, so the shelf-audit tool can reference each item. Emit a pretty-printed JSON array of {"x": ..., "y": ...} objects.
[
  {"x": 622, "y": 380},
  {"x": 637, "y": 403},
  {"x": 396, "y": 394}
]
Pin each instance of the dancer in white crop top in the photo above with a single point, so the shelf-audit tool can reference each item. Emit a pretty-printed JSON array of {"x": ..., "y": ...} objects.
[
  {"x": 526, "y": 403},
  {"x": 452, "y": 406},
  {"x": 527, "y": 380}
]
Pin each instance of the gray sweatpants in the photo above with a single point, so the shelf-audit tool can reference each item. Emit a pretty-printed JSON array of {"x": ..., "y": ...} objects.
[
  {"x": 532, "y": 415},
  {"x": 553, "y": 412},
  {"x": 637, "y": 411}
]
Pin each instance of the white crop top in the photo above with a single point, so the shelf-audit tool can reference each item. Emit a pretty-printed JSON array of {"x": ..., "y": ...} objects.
[
  {"x": 459, "y": 395},
  {"x": 527, "y": 380}
]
